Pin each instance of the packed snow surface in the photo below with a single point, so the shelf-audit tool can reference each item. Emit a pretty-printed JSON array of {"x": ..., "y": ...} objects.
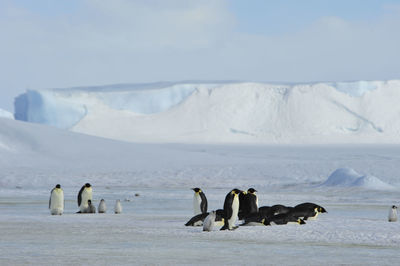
[
  {"x": 230, "y": 112},
  {"x": 153, "y": 183}
]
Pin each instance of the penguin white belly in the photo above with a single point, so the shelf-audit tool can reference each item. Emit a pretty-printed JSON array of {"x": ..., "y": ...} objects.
[
  {"x": 235, "y": 211},
  {"x": 312, "y": 218},
  {"x": 393, "y": 215},
  {"x": 86, "y": 195},
  {"x": 57, "y": 202},
  {"x": 196, "y": 204}
]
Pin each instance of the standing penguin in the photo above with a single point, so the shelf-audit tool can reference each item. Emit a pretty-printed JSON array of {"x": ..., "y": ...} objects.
[
  {"x": 209, "y": 222},
  {"x": 102, "y": 206},
  {"x": 118, "y": 207},
  {"x": 199, "y": 201},
  {"x": 252, "y": 200},
  {"x": 231, "y": 209},
  {"x": 91, "y": 207},
  {"x": 56, "y": 201},
  {"x": 84, "y": 195},
  {"x": 393, "y": 214}
]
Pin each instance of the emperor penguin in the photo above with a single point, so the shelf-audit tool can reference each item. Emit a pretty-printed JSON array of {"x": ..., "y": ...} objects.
[
  {"x": 393, "y": 214},
  {"x": 102, "y": 206},
  {"x": 231, "y": 209},
  {"x": 117, "y": 207},
  {"x": 283, "y": 218},
  {"x": 199, "y": 201},
  {"x": 209, "y": 222},
  {"x": 84, "y": 195},
  {"x": 91, "y": 207},
  {"x": 249, "y": 200},
  {"x": 311, "y": 206},
  {"x": 56, "y": 201}
]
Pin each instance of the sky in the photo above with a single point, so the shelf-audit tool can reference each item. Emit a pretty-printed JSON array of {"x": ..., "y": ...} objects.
[{"x": 66, "y": 43}]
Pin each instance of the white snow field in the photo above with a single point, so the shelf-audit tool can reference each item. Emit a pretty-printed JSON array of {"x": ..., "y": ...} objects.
[
  {"x": 230, "y": 112},
  {"x": 357, "y": 184}
]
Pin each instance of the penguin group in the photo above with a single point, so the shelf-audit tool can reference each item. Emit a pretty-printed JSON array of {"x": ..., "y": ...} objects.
[
  {"x": 85, "y": 204},
  {"x": 243, "y": 205}
]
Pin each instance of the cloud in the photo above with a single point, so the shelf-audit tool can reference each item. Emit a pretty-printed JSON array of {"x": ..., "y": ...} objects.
[{"x": 119, "y": 41}]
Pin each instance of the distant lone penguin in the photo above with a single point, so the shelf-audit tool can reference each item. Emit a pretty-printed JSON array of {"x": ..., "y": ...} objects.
[
  {"x": 118, "y": 207},
  {"x": 91, "y": 207},
  {"x": 84, "y": 195},
  {"x": 209, "y": 222},
  {"x": 393, "y": 214},
  {"x": 199, "y": 201},
  {"x": 102, "y": 206},
  {"x": 56, "y": 201}
]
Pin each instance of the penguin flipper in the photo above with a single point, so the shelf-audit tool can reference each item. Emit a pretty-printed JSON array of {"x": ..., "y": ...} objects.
[
  {"x": 196, "y": 218},
  {"x": 80, "y": 196},
  {"x": 203, "y": 204}
]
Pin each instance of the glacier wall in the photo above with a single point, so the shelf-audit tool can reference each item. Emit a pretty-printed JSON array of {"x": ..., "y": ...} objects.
[{"x": 227, "y": 112}]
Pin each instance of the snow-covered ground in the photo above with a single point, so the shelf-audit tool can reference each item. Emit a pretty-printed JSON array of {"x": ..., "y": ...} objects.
[{"x": 355, "y": 183}]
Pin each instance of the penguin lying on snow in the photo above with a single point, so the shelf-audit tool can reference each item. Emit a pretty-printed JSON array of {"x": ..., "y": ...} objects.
[
  {"x": 198, "y": 220},
  {"x": 231, "y": 209},
  {"x": 305, "y": 210},
  {"x": 56, "y": 201},
  {"x": 279, "y": 219},
  {"x": 274, "y": 210},
  {"x": 312, "y": 206},
  {"x": 199, "y": 201}
]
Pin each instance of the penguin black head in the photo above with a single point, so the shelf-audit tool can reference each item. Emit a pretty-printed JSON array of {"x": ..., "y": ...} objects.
[
  {"x": 236, "y": 191},
  {"x": 87, "y": 185},
  {"x": 321, "y": 210},
  {"x": 251, "y": 190},
  {"x": 58, "y": 186},
  {"x": 394, "y": 207},
  {"x": 196, "y": 189}
]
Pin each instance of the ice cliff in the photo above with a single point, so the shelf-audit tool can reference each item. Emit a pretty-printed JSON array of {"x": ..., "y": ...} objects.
[{"x": 230, "y": 112}]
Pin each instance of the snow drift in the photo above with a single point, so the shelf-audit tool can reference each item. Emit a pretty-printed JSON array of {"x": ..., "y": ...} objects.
[
  {"x": 343, "y": 112},
  {"x": 348, "y": 177}
]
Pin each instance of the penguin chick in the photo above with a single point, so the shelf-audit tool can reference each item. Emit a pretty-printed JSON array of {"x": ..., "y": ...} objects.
[
  {"x": 91, "y": 207},
  {"x": 209, "y": 222},
  {"x": 117, "y": 207},
  {"x": 102, "y": 206}
]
